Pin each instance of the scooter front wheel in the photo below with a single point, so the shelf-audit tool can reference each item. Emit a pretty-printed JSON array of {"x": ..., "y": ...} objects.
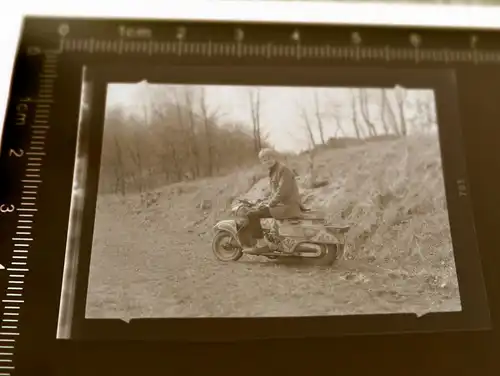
[{"x": 224, "y": 247}]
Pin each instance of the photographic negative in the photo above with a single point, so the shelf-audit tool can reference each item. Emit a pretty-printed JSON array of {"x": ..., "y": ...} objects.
[
  {"x": 177, "y": 159},
  {"x": 351, "y": 182},
  {"x": 437, "y": 2}
]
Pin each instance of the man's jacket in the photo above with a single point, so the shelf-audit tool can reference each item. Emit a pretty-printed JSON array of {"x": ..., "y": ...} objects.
[{"x": 284, "y": 201}]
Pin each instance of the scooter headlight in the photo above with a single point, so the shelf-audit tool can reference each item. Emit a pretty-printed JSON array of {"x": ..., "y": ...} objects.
[{"x": 240, "y": 210}]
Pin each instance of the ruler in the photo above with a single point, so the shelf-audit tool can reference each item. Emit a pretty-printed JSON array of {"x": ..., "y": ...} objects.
[
  {"x": 23, "y": 151},
  {"x": 351, "y": 48}
]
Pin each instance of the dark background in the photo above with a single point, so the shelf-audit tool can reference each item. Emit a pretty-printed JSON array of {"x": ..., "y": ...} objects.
[{"x": 37, "y": 351}]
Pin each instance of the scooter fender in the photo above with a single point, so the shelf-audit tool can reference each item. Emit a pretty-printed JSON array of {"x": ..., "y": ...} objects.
[
  {"x": 228, "y": 225},
  {"x": 326, "y": 237}
]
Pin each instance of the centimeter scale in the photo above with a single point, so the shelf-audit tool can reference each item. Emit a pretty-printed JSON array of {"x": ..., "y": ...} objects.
[{"x": 28, "y": 125}]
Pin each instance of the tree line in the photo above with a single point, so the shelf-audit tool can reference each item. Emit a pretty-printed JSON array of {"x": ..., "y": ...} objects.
[
  {"x": 374, "y": 114},
  {"x": 179, "y": 136}
]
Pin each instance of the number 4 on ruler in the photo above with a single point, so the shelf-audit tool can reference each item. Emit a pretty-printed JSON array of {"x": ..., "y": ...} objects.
[{"x": 2, "y": 267}]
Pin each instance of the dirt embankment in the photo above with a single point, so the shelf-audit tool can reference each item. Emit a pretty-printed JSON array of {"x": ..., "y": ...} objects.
[{"x": 152, "y": 257}]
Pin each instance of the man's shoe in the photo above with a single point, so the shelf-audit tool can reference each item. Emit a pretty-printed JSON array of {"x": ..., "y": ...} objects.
[{"x": 256, "y": 250}]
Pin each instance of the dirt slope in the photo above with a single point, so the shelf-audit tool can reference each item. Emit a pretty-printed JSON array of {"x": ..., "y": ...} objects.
[{"x": 153, "y": 259}]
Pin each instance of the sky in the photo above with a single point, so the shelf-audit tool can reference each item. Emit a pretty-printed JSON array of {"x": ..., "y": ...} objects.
[{"x": 280, "y": 107}]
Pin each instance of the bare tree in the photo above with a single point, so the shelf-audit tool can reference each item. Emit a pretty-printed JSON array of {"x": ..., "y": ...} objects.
[
  {"x": 354, "y": 115},
  {"x": 311, "y": 153},
  {"x": 308, "y": 127},
  {"x": 146, "y": 111},
  {"x": 169, "y": 137},
  {"x": 400, "y": 94},
  {"x": 137, "y": 147},
  {"x": 338, "y": 120},
  {"x": 319, "y": 119},
  {"x": 426, "y": 113},
  {"x": 118, "y": 168},
  {"x": 112, "y": 159},
  {"x": 254, "y": 97},
  {"x": 209, "y": 119},
  {"x": 390, "y": 114},
  {"x": 187, "y": 149},
  {"x": 365, "y": 112},
  {"x": 383, "y": 109},
  {"x": 189, "y": 108}
]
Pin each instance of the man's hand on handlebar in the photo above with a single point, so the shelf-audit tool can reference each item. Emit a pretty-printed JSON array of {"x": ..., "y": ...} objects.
[{"x": 261, "y": 204}]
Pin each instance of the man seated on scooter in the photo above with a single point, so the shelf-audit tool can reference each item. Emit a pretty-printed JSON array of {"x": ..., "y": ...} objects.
[{"x": 284, "y": 201}]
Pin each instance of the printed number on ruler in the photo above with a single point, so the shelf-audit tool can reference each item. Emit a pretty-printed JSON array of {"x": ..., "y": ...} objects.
[
  {"x": 7, "y": 208},
  {"x": 4, "y": 208}
]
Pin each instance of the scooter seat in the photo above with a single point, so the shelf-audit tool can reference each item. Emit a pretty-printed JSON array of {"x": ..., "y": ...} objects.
[
  {"x": 312, "y": 214},
  {"x": 340, "y": 228}
]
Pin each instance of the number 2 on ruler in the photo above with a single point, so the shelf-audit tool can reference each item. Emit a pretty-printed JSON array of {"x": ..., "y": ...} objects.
[
  {"x": 15, "y": 153},
  {"x": 10, "y": 208}
]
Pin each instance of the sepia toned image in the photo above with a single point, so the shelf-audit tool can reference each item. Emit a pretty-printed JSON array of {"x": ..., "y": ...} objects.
[
  {"x": 190, "y": 176},
  {"x": 427, "y": 2}
]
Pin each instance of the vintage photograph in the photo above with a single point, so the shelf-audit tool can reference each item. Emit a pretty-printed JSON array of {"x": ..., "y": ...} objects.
[
  {"x": 246, "y": 201},
  {"x": 423, "y": 2}
]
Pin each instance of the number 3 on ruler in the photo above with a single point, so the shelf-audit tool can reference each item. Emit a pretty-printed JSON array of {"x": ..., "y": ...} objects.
[
  {"x": 7, "y": 209},
  {"x": 10, "y": 208},
  {"x": 15, "y": 153}
]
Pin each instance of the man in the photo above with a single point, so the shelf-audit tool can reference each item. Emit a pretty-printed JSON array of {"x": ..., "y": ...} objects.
[{"x": 284, "y": 201}]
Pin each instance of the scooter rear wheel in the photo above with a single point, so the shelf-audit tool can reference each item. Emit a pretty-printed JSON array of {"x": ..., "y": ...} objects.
[{"x": 331, "y": 254}]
